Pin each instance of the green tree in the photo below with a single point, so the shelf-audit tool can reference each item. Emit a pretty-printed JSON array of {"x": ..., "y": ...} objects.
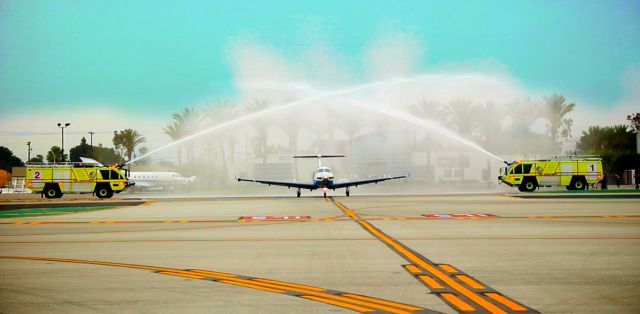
[
  {"x": 38, "y": 158},
  {"x": 55, "y": 155},
  {"x": 615, "y": 144},
  {"x": 558, "y": 124},
  {"x": 82, "y": 150},
  {"x": 106, "y": 156},
  {"x": 126, "y": 141},
  {"x": 597, "y": 139},
  {"x": 8, "y": 159}
]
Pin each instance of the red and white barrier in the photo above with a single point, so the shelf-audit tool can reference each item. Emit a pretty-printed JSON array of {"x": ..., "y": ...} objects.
[{"x": 273, "y": 217}]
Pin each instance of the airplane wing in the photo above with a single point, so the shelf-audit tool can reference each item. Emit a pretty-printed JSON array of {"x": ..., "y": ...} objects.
[
  {"x": 305, "y": 186},
  {"x": 363, "y": 182}
]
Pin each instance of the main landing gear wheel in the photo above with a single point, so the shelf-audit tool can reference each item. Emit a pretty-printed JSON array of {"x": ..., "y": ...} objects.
[
  {"x": 347, "y": 192},
  {"x": 298, "y": 193}
]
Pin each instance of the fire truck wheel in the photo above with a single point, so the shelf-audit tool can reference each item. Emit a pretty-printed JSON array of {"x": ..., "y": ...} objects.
[
  {"x": 578, "y": 183},
  {"x": 104, "y": 191},
  {"x": 52, "y": 191},
  {"x": 528, "y": 186}
]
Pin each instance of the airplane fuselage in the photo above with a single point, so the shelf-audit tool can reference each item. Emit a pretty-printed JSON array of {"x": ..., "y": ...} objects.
[{"x": 323, "y": 178}]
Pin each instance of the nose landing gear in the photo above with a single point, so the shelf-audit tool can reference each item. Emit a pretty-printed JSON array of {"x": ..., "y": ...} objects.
[
  {"x": 298, "y": 193},
  {"x": 347, "y": 191}
]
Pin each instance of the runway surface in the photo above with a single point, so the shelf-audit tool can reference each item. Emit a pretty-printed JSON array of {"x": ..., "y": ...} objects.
[{"x": 382, "y": 254}]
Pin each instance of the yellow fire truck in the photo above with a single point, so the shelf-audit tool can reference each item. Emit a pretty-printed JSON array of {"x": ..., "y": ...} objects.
[
  {"x": 573, "y": 172},
  {"x": 53, "y": 180}
]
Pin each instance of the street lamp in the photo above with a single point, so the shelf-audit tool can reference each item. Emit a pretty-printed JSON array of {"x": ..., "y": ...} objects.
[
  {"x": 91, "y": 134},
  {"x": 29, "y": 151},
  {"x": 61, "y": 126}
]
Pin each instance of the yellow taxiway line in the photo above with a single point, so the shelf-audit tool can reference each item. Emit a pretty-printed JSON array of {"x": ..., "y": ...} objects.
[
  {"x": 464, "y": 293},
  {"x": 351, "y": 301}
]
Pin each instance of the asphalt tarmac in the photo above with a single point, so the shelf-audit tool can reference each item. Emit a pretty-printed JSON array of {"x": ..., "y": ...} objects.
[{"x": 382, "y": 254}]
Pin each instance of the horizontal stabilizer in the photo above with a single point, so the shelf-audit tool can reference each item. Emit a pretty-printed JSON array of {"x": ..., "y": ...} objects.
[{"x": 318, "y": 156}]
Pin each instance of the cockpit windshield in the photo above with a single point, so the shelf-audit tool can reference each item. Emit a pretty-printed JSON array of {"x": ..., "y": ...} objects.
[{"x": 324, "y": 169}]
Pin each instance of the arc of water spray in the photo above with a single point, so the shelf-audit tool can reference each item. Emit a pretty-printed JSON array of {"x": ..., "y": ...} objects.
[
  {"x": 425, "y": 123},
  {"x": 346, "y": 91},
  {"x": 352, "y": 90}
]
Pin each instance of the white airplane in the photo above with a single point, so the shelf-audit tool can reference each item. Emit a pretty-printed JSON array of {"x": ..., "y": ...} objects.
[
  {"x": 323, "y": 179},
  {"x": 159, "y": 179}
]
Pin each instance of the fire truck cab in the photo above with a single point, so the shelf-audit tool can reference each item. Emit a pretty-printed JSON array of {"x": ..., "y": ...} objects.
[
  {"x": 572, "y": 172},
  {"x": 54, "y": 180}
]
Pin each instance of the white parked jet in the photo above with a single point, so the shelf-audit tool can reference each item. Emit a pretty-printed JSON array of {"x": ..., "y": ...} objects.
[
  {"x": 159, "y": 179},
  {"x": 323, "y": 179}
]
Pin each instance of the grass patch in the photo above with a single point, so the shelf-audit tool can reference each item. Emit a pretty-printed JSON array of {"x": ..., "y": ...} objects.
[
  {"x": 591, "y": 191},
  {"x": 31, "y": 212}
]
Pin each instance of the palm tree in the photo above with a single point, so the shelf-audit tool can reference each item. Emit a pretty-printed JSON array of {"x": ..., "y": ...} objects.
[
  {"x": 186, "y": 122},
  {"x": 634, "y": 121},
  {"x": 559, "y": 126},
  {"x": 464, "y": 117},
  {"x": 522, "y": 113},
  {"x": 55, "y": 155},
  {"x": 260, "y": 142},
  {"x": 215, "y": 114},
  {"x": 491, "y": 124},
  {"x": 431, "y": 110},
  {"x": 127, "y": 140},
  {"x": 175, "y": 133}
]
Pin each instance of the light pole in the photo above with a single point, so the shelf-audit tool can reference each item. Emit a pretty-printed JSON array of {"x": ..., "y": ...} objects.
[
  {"x": 29, "y": 151},
  {"x": 61, "y": 126},
  {"x": 91, "y": 141}
]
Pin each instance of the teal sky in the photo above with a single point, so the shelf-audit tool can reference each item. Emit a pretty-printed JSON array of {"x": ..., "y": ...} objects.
[{"x": 166, "y": 55}]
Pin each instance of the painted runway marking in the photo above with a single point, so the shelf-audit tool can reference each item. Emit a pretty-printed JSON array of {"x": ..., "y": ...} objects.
[
  {"x": 459, "y": 290},
  {"x": 459, "y": 216},
  {"x": 327, "y": 219},
  {"x": 272, "y": 218},
  {"x": 351, "y": 301}
]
